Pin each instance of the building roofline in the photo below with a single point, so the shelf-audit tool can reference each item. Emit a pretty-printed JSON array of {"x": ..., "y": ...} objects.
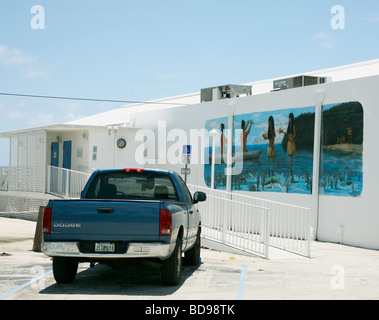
[{"x": 59, "y": 127}]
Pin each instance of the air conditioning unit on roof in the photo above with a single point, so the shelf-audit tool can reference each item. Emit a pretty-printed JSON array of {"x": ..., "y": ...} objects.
[
  {"x": 224, "y": 92},
  {"x": 299, "y": 81}
]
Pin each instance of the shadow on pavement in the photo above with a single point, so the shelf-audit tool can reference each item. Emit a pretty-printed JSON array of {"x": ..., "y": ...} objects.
[{"x": 133, "y": 280}]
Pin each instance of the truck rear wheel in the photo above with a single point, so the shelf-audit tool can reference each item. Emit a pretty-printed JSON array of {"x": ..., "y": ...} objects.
[
  {"x": 192, "y": 256},
  {"x": 64, "y": 269},
  {"x": 172, "y": 267}
]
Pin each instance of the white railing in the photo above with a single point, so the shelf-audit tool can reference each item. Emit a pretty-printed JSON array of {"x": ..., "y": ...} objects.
[
  {"x": 19, "y": 206},
  {"x": 25, "y": 178},
  {"x": 289, "y": 225},
  {"x": 233, "y": 223},
  {"x": 236, "y": 224},
  {"x": 254, "y": 223},
  {"x": 4, "y": 174},
  {"x": 65, "y": 183}
]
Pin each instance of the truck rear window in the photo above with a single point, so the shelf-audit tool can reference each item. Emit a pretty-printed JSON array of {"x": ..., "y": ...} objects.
[{"x": 133, "y": 186}]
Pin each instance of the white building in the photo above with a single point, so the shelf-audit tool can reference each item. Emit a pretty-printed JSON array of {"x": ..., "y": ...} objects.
[{"x": 333, "y": 171}]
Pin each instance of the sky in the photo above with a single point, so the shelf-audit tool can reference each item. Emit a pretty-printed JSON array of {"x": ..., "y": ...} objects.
[{"x": 148, "y": 49}]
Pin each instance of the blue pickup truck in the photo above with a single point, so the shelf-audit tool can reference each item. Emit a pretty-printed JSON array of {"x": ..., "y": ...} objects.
[{"x": 125, "y": 214}]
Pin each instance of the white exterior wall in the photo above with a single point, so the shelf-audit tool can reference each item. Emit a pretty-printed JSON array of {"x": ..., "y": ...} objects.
[
  {"x": 103, "y": 150},
  {"x": 76, "y": 137},
  {"x": 358, "y": 215},
  {"x": 99, "y": 157},
  {"x": 94, "y": 148},
  {"x": 125, "y": 158}
]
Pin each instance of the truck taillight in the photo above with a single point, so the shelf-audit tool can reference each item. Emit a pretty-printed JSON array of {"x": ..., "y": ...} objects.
[
  {"x": 165, "y": 223},
  {"x": 133, "y": 170},
  {"x": 46, "y": 225}
]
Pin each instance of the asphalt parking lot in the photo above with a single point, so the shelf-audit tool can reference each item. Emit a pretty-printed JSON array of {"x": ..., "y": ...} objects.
[{"x": 335, "y": 272}]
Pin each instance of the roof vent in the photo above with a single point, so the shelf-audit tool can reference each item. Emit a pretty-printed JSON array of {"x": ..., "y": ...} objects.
[
  {"x": 224, "y": 92},
  {"x": 299, "y": 81}
]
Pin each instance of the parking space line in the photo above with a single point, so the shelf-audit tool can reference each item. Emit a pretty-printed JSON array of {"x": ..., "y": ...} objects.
[
  {"x": 241, "y": 284},
  {"x": 27, "y": 284},
  {"x": 9, "y": 280},
  {"x": 17, "y": 275},
  {"x": 2, "y": 270}
]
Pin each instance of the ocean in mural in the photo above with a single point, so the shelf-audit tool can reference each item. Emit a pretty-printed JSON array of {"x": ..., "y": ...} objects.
[
  {"x": 268, "y": 175},
  {"x": 269, "y": 156},
  {"x": 341, "y": 177}
]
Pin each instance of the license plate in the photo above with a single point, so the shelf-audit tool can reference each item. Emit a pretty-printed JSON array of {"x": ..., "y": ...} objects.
[{"x": 104, "y": 247}]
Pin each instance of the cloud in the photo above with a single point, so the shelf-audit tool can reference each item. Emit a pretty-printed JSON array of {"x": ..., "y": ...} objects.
[
  {"x": 28, "y": 65},
  {"x": 15, "y": 115},
  {"x": 35, "y": 71},
  {"x": 325, "y": 40},
  {"x": 26, "y": 118},
  {"x": 69, "y": 110},
  {"x": 70, "y": 116},
  {"x": 41, "y": 119},
  {"x": 14, "y": 57}
]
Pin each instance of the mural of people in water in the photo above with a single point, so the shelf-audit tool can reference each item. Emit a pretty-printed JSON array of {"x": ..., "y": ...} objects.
[
  {"x": 245, "y": 132},
  {"x": 261, "y": 151},
  {"x": 291, "y": 146},
  {"x": 270, "y": 135},
  {"x": 281, "y": 160},
  {"x": 224, "y": 140}
]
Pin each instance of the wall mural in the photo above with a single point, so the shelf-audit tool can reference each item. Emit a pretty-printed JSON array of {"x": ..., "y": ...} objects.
[
  {"x": 273, "y": 150},
  {"x": 341, "y": 168}
]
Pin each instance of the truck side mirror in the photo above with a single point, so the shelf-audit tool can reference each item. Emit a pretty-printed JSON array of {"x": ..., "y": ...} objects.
[{"x": 199, "y": 196}]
